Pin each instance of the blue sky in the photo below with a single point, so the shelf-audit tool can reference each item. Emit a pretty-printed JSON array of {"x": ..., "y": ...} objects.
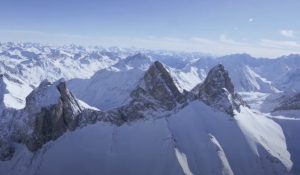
[{"x": 259, "y": 27}]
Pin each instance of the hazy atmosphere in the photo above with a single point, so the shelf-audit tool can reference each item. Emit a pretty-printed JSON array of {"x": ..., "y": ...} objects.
[{"x": 262, "y": 28}]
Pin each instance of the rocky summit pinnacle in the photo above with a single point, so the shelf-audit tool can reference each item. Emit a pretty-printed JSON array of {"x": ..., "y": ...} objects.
[
  {"x": 52, "y": 110},
  {"x": 159, "y": 85},
  {"x": 218, "y": 79},
  {"x": 217, "y": 90}
]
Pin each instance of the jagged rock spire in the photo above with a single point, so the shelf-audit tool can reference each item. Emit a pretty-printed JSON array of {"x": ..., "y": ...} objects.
[
  {"x": 217, "y": 90},
  {"x": 51, "y": 111},
  {"x": 216, "y": 80},
  {"x": 159, "y": 85}
]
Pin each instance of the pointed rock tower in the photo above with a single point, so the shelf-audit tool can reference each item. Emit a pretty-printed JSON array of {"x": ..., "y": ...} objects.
[
  {"x": 158, "y": 86},
  {"x": 217, "y": 91},
  {"x": 51, "y": 110}
]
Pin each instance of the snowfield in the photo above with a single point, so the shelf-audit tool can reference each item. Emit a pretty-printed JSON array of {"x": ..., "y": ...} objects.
[{"x": 196, "y": 140}]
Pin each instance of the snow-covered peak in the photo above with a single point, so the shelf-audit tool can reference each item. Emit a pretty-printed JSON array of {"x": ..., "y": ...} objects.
[
  {"x": 51, "y": 109},
  {"x": 137, "y": 61},
  {"x": 45, "y": 95}
]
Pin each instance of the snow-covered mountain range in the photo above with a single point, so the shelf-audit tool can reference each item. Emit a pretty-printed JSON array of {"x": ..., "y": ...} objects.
[{"x": 92, "y": 110}]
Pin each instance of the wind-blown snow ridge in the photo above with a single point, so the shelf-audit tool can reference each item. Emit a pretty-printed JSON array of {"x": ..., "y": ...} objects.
[
  {"x": 181, "y": 157},
  {"x": 226, "y": 166},
  {"x": 264, "y": 133}
]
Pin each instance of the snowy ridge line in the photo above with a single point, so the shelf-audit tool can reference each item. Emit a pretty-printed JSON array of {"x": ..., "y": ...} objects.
[{"x": 157, "y": 96}]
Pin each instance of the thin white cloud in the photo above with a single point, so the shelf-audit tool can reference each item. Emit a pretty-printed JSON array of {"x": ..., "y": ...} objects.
[
  {"x": 221, "y": 46},
  {"x": 281, "y": 44},
  {"x": 225, "y": 39},
  {"x": 287, "y": 33},
  {"x": 250, "y": 19}
]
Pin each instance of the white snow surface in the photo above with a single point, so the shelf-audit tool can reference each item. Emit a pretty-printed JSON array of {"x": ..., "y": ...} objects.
[
  {"x": 185, "y": 80},
  {"x": 30, "y": 64},
  {"x": 184, "y": 143},
  {"x": 86, "y": 106},
  {"x": 15, "y": 94},
  {"x": 181, "y": 157},
  {"x": 45, "y": 95},
  {"x": 226, "y": 166},
  {"x": 107, "y": 88},
  {"x": 262, "y": 131}
]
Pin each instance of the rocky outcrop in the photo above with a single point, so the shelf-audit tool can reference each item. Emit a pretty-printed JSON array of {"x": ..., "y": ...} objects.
[
  {"x": 52, "y": 110},
  {"x": 8, "y": 133},
  {"x": 2, "y": 91},
  {"x": 217, "y": 91},
  {"x": 70, "y": 106},
  {"x": 159, "y": 86},
  {"x": 137, "y": 61},
  {"x": 6, "y": 149},
  {"x": 155, "y": 93}
]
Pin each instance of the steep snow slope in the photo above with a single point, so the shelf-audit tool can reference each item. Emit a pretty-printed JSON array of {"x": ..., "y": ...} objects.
[
  {"x": 107, "y": 88},
  {"x": 195, "y": 140},
  {"x": 13, "y": 92},
  {"x": 291, "y": 129},
  {"x": 185, "y": 80},
  {"x": 234, "y": 140},
  {"x": 138, "y": 148},
  {"x": 111, "y": 87}
]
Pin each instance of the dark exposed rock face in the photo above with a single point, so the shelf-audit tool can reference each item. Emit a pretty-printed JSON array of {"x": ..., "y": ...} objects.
[
  {"x": 156, "y": 92},
  {"x": 289, "y": 103},
  {"x": 2, "y": 91},
  {"x": 50, "y": 111},
  {"x": 6, "y": 149},
  {"x": 50, "y": 122},
  {"x": 48, "y": 125},
  {"x": 217, "y": 91},
  {"x": 159, "y": 85},
  {"x": 70, "y": 107}
]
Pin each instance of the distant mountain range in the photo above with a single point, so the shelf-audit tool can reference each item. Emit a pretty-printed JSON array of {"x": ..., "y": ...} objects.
[{"x": 91, "y": 110}]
